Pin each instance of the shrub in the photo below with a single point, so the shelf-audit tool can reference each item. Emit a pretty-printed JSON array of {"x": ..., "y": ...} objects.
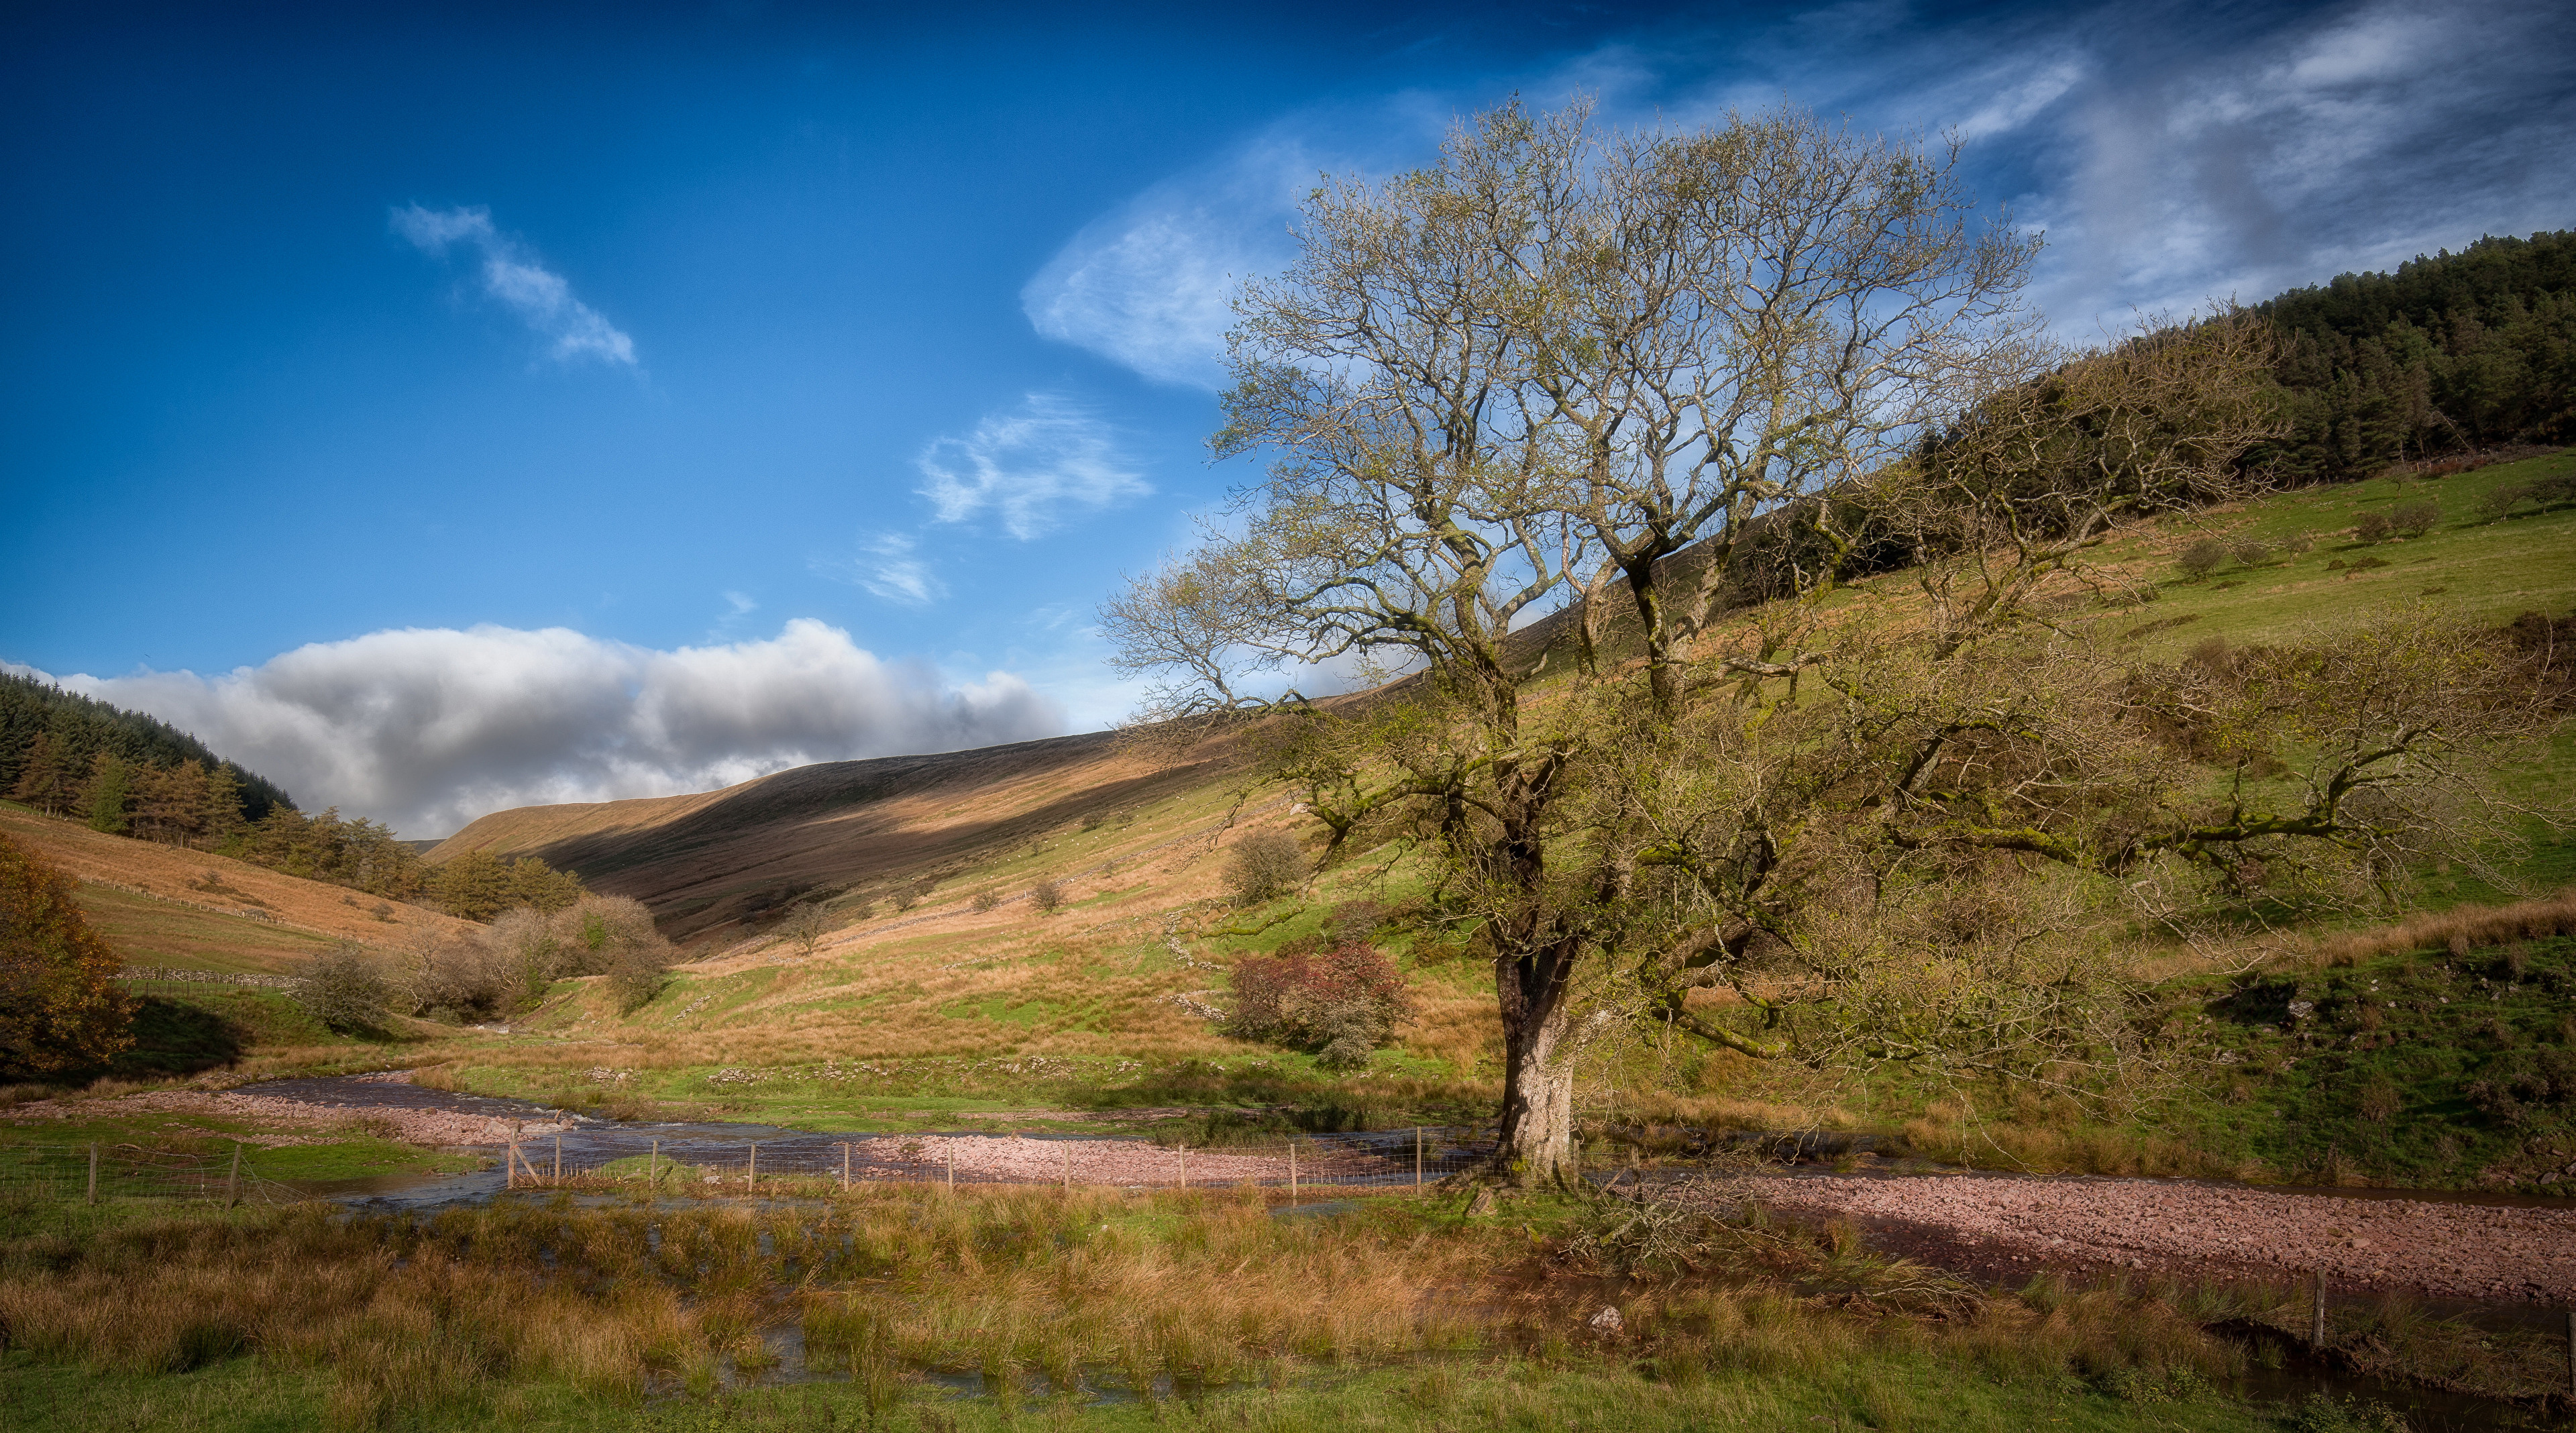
[
  {"x": 343, "y": 989},
  {"x": 1354, "y": 921},
  {"x": 1047, "y": 895},
  {"x": 805, "y": 926},
  {"x": 2248, "y": 551},
  {"x": 1266, "y": 864},
  {"x": 2416, "y": 518},
  {"x": 614, "y": 936},
  {"x": 1340, "y": 1001},
  {"x": 2502, "y": 500},
  {"x": 985, "y": 900},
  {"x": 2201, "y": 558},
  {"x": 637, "y": 974},
  {"x": 2295, "y": 544},
  {"x": 2372, "y": 527}
]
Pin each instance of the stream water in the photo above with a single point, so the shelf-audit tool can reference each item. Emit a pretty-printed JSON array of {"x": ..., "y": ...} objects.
[{"x": 2282, "y": 1372}]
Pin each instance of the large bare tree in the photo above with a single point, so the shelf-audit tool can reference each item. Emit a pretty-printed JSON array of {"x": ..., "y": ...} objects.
[
  {"x": 1527, "y": 375},
  {"x": 1605, "y": 373}
]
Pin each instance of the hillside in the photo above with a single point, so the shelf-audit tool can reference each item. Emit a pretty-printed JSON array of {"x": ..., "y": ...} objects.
[
  {"x": 708, "y": 864},
  {"x": 943, "y": 1016},
  {"x": 170, "y": 906}
]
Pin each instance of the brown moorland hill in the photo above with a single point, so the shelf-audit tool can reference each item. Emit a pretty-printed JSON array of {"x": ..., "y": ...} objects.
[
  {"x": 169, "y": 905},
  {"x": 706, "y": 864}
]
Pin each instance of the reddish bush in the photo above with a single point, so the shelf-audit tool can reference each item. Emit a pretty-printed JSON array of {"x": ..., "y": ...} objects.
[{"x": 1340, "y": 1000}]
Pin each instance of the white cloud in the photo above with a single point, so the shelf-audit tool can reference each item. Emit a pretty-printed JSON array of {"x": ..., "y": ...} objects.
[
  {"x": 2020, "y": 99},
  {"x": 739, "y": 605},
  {"x": 888, "y": 566},
  {"x": 519, "y": 281},
  {"x": 1150, "y": 284},
  {"x": 429, "y": 728},
  {"x": 1026, "y": 465}
]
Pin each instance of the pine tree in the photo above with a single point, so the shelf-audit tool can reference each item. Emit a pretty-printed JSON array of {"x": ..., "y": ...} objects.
[
  {"x": 220, "y": 815},
  {"x": 108, "y": 793},
  {"x": 42, "y": 780},
  {"x": 170, "y": 803}
]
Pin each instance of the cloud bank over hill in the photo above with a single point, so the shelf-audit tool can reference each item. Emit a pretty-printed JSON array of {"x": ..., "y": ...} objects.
[{"x": 428, "y": 728}]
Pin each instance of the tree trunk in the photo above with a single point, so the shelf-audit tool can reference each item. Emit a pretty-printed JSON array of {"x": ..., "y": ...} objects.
[{"x": 1537, "y": 1146}]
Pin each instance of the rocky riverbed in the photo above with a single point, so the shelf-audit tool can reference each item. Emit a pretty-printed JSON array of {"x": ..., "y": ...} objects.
[
  {"x": 1996, "y": 1226},
  {"x": 297, "y": 1121}
]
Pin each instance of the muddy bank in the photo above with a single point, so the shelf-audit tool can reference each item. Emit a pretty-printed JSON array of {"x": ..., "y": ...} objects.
[{"x": 1995, "y": 1226}]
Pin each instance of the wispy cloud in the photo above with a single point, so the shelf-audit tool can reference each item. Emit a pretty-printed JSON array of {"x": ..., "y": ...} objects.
[
  {"x": 2177, "y": 154},
  {"x": 429, "y": 728},
  {"x": 513, "y": 276},
  {"x": 2174, "y": 153},
  {"x": 1026, "y": 466},
  {"x": 890, "y": 565},
  {"x": 1149, "y": 284}
]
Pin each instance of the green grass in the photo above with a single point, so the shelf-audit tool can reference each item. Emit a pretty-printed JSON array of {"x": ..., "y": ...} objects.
[
  {"x": 2426, "y": 1069},
  {"x": 2464, "y": 569},
  {"x": 241, "y": 1396}
]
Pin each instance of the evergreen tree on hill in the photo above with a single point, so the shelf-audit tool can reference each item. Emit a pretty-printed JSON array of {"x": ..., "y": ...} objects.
[
  {"x": 2450, "y": 353},
  {"x": 74, "y": 729},
  {"x": 107, "y": 793}
]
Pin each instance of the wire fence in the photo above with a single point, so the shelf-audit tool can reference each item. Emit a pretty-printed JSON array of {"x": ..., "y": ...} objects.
[
  {"x": 1390, "y": 1160},
  {"x": 101, "y": 1172},
  {"x": 157, "y": 980}
]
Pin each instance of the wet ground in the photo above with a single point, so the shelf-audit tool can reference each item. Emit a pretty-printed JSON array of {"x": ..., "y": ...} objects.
[
  {"x": 2498, "y": 1259},
  {"x": 728, "y": 1154}
]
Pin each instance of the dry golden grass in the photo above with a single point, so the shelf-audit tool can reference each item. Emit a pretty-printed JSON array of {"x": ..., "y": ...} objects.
[
  {"x": 2458, "y": 930},
  {"x": 439, "y": 1319},
  {"x": 176, "y": 875}
]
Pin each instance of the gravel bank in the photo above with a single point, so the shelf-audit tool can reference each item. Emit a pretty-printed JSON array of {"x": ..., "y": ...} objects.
[
  {"x": 411, "y": 1126},
  {"x": 1042, "y": 1161},
  {"x": 1995, "y": 1225}
]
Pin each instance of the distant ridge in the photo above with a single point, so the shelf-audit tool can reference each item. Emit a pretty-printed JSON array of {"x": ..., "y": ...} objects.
[{"x": 715, "y": 859}]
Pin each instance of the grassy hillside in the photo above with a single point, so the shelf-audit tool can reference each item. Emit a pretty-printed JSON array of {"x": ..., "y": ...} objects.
[
  {"x": 943, "y": 1015},
  {"x": 171, "y": 906},
  {"x": 711, "y": 865}
]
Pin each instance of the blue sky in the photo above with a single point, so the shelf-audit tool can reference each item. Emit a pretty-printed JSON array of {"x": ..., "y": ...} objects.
[{"x": 457, "y": 409}]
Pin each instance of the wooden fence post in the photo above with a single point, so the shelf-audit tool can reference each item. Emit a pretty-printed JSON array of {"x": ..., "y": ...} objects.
[
  {"x": 232, "y": 1181},
  {"x": 1292, "y": 1171},
  {"x": 653, "y": 1168},
  {"x": 952, "y": 1166},
  {"x": 1068, "y": 1168},
  {"x": 845, "y": 1166},
  {"x": 751, "y": 1171},
  {"x": 510, "y": 1162},
  {"x": 2317, "y": 1314},
  {"x": 1417, "y": 1156},
  {"x": 558, "y": 1158},
  {"x": 1185, "y": 1166},
  {"x": 93, "y": 1172}
]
